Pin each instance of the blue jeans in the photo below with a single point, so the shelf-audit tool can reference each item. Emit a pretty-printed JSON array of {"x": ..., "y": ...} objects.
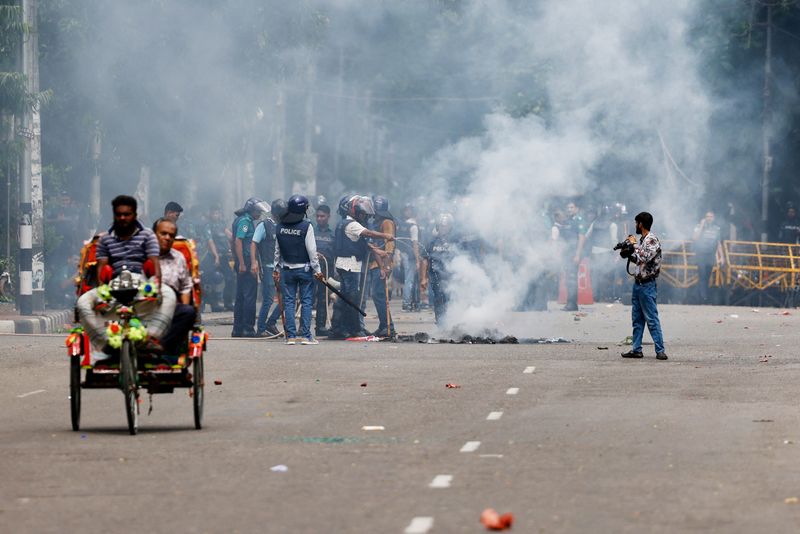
[
  {"x": 346, "y": 318},
  {"x": 409, "y": 279},
  {"x": 267, "y": 292},
  {"x": 293, "y": 280},
  {"x": 643, "y": 300},
  {"x": 378, "y": 287}
]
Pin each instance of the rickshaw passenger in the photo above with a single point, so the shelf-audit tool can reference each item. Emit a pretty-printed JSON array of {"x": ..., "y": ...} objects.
[
  {"x": 127, "y": 245},
  {"x": 175, "y": 274}
]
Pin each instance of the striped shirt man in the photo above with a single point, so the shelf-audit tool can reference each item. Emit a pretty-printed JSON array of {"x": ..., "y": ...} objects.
[{"x": 128, "y": 253}]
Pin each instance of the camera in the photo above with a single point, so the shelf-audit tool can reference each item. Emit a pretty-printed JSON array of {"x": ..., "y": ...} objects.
[{"x": 625, "y": 248}]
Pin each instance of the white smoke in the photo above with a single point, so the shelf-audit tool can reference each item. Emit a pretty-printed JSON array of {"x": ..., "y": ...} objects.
[{"x": 622, "y": 81}]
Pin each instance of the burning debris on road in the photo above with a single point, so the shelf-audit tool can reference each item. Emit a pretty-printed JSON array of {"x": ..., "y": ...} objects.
[{"x": 487, "y": 338}]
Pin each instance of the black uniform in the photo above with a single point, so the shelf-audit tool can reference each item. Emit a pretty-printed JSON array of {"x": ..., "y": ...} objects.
[
  {"x": 325, "y": 245},
  {"x": 440, "y": 253},
  {"x": 346, "y": 320}
]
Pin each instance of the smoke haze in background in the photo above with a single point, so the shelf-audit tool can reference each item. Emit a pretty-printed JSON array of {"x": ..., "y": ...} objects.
[
  {"x": 630, "y": 81},
  {"x": 499, "y": 106}
]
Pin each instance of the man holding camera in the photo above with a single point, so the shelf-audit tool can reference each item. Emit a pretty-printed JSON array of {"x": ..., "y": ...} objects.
[{"x": 646, "y": 256}]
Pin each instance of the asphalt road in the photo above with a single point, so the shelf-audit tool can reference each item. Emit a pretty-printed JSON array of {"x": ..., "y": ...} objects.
[{"x": 581, "y": 440}]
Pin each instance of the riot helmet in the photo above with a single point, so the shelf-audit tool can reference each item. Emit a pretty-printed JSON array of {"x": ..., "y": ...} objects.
[
  {"x": 295, "y": 210},
  {"x": 278, "y": 208},
  {"x": 255, "y": 206},
  {"x": 381, "y": 205},
  {"x": 361, "y": 208}
]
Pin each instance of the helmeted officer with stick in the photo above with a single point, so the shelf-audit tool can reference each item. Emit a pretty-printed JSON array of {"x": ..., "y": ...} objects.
[{"x": 351, "y": 250}]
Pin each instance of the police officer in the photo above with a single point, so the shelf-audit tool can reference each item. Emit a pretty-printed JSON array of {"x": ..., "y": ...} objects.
[
  {"x": 218, "y": 262},
  {"x": 441, "y": 250},
  {"x": 296, "y": 266},
  {"x": 573, "y": 231},
  {"x": 646, "y": 256},
  {"x": 263, "y": 248},
  {"x": 325, "y": 245},
  {"x": 789, "y": 231},
  {"x": 243, "y": 228},
  {"x": 707, "y": 236},
  {"x": 351, "y": 248},
  {"x": 380, "y": 267},
  {"x": 408, "y": 231}
]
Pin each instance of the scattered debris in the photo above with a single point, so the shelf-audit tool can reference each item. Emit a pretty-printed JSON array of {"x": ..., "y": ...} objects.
[
  {"x": 581, "y": 314},
  {"x": 217, "y": 382},
  {"x": 363, "y": 384},
  {"x": 279, "y": 468},
  {"x": 576, "y": 318},
  {"x": 494, "y": 521},
  {"x": 602, "y": 348},
  {"x": 373, "y": 427},
  {"x": 788, "y": 442},
  {"x": 719, "y": 322},
  {"x": 763, "y": 420},
  {"x": 733, "y": 316},
  {"x": 452, "y": 386},
  {"x": 754, "y": 310},
  {"x": 785, "y": 313},
  {"x": 628, "y": 340},
  {"x": 765, "y": 358},
  {"x": 791, "y": 500}
]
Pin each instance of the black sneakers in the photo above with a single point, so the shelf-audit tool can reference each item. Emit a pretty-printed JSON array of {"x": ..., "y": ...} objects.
[{"x": 637, "y": 354}]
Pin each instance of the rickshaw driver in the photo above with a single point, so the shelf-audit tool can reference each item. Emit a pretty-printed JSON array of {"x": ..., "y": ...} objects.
[
  {"x": 127, "y": 245},
  {"x": 175, "y": 274}
]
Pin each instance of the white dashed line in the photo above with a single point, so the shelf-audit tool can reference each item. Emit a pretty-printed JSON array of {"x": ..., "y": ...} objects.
[
  {"x": 512, "y": 391},
  {"x": 419, "y": 525},
  {"x": 441, "y": 481},
  {"x": 31, "y": 393},
  {"x": 471, "y": 446},
  {"x": 529, "y": 370},
  {"x": 494, "y": 416}
]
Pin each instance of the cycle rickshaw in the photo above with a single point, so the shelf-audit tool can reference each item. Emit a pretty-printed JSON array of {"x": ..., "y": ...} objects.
[{"x": 136, "y": 370}]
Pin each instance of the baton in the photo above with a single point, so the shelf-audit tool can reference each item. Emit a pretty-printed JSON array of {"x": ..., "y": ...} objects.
[{"x": 341, "y": 296}]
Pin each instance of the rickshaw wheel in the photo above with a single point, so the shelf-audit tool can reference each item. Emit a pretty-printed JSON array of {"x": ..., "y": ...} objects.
[
  {"x": 75, "y": 391},
  {"x": 197, "y": 391},
  {"x": 128, "y": 383}
]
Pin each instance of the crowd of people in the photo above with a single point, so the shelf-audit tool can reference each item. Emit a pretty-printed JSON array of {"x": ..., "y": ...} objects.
[{"x": 291, "y": 254}]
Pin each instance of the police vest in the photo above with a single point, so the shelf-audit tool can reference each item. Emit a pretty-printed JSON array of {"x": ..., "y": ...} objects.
[
  {"x": 292, "y": 241},
  {"x": 325, "y": 242},
  {"x": 266, "y": 247},
  {"x": 404, "y": 229},
  {"x": 346, "y": 247},
  {"x": 440, "y": 252}
]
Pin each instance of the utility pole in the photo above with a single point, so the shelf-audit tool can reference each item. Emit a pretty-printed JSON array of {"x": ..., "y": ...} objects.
[
  {"x": 97, "y": 150},
  {"x": 339, "y": 117},
  {"x": 279, "y": 183},
  {"x": 767, "y": 129},
  {"x": 31, "y": 224}
]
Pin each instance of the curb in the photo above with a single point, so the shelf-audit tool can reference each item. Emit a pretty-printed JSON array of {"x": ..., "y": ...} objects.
[{"x": 50, "y": 323}]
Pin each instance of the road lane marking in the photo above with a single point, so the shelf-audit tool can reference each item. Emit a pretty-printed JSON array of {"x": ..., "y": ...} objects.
[
  {"x": 31, "y": 393},
  {"x": 471, "y": 446},
  {"x": 512, "y": 391},
  {"x": 419, "y": 525},
  {"x": 375, "y": 427},
  {"x": 494, "y": 416},
  {"x": 441, "y": 481},
  {"x": 529, "y": 370}
]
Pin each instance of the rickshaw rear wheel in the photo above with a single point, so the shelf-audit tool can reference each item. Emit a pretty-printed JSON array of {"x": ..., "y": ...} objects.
[
  {"x": 197, "y": 391},
  {"x": 128, "y": 383},
  {"x": 75, "y": 391}
]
